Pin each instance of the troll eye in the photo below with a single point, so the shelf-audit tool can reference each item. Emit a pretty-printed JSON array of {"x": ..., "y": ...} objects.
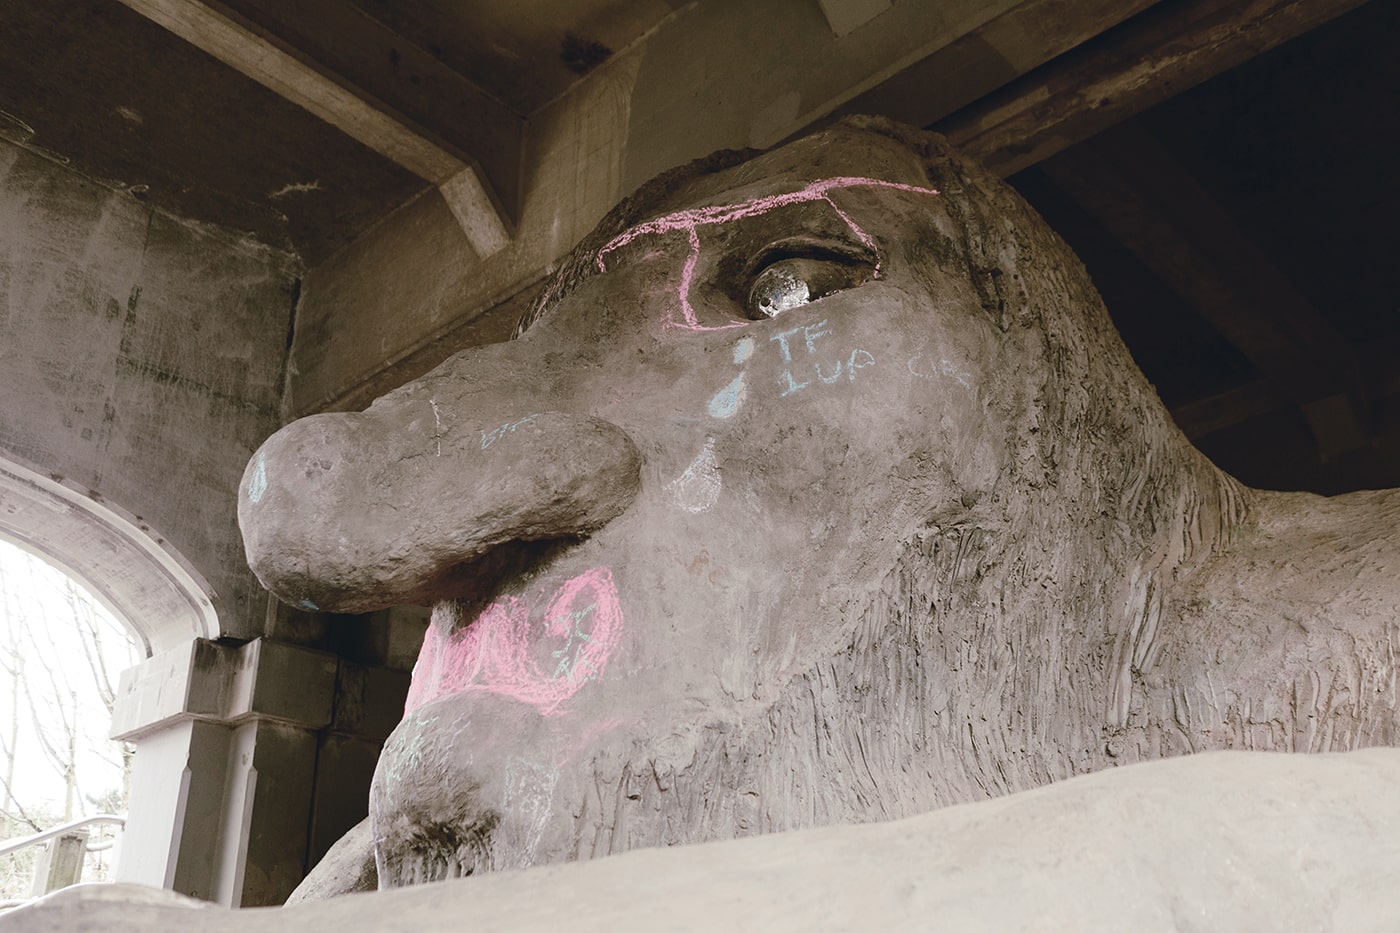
[{"x": 798, "y": 280}]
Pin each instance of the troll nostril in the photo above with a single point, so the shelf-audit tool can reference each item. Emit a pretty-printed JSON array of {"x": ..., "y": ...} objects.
[{"x": 355, "y": 512}]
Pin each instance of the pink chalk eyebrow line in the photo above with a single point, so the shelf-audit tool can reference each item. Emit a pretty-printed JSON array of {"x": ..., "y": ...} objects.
[{"x": 691, "y": 220}]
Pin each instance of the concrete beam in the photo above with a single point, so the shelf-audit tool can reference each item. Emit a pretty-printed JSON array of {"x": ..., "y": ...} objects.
[
  {"x": 846, "y": 16},
  {"x": 1154, "y": 56},
  {"x": 258, "y": 53}
]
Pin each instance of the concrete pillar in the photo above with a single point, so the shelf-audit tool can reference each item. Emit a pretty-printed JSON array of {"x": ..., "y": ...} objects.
[
  {"x": 177, "y": 783},
  {"x": 61, "y": 863},
  {"x": 226, "y": 741},
  {"x": 266, "y": 813},
  {"x": 251, "y": 760},
  {"x": 369, "y": 704}
]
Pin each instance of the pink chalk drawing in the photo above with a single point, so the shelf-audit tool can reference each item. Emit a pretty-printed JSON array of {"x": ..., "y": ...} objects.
[
  {"x": 501, "y": 651},
  {"x": 692, "y": 220}
]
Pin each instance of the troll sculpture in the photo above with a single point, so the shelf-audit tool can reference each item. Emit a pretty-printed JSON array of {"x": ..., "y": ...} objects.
[{"x": 817, "y": 489}]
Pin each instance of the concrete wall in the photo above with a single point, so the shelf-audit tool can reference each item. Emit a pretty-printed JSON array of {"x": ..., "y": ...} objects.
[{"x": 141, "y": 358}]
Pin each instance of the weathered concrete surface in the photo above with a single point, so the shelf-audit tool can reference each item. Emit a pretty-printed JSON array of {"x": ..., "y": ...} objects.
[
  {"x": 1232, "y": 841},
  {"x": 924, "y": 537},
  {"x": 140, "y": 358},
  {"x": 192, "y": 137}
]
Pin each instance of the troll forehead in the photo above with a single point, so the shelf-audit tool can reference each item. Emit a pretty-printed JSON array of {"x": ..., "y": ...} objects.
[{"x": 692, "y": 219}]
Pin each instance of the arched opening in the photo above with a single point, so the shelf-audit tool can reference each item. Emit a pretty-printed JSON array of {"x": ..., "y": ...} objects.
[
  {"x": 115, "y": 555},
  {"x": 123, "y": 566},
  {"x": 61, "y": 654}
]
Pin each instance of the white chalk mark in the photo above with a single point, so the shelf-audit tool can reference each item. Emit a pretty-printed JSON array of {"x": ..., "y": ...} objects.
[
  {"x": 697, "y": 489},
  {"x": 924, "y": 367},
  {"x": 296, "y": 187},
  {"x": 14, "y": 129},
  {"x": 437, "y": 419},
  {"x": 529, "y": 793}
]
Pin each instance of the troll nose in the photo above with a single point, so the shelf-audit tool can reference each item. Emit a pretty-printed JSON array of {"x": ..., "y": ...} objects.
[{"x": 357, "y": 512}]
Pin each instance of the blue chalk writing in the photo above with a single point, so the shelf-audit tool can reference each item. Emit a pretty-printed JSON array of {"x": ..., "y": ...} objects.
[
  {"x": 811, "y": 332},
  {"x": 726, "y": 401},
  {"x": 571, "y": 663},
  {"x": 490, "y": 437},
  {"x": 782, "y": 339},
  {"x": 743, "y": 350},
  {"x": 948, "y": 369},
  {"x": 258, "y": 484},
  {"x": 791, "y": 385},
  {"x": 827, "y": 373}
]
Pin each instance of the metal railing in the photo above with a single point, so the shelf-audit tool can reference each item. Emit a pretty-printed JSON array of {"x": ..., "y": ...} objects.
[{"x": 62, "y": 864}]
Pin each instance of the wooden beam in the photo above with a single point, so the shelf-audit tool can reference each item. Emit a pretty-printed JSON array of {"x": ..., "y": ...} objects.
[
  {"x": 1333, "y": 422},
  {"x": 962, "y": 71},
  {"x": 1137, "y": 192},
  {"x": 1157, "y": 54},
  {"x": 268, "y": 58},
  {"x": 1205, "y": 416}
]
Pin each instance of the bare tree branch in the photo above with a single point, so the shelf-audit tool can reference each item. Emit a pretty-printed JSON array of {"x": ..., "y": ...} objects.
[
  {"x": 20, "y": 810},
  {"x": 37, "y": 653}
]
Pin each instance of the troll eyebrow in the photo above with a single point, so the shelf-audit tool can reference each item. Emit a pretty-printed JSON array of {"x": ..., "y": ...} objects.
[{"x": 693, "y": 219}]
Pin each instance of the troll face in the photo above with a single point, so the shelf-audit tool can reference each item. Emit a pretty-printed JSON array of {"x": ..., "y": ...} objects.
[{"x": 719, "y": 544}]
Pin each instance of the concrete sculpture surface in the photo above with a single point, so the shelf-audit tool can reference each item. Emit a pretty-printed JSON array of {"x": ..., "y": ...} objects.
[
  {"x": 818, "y": 489},
  {"x": 1224, "y": 841}
]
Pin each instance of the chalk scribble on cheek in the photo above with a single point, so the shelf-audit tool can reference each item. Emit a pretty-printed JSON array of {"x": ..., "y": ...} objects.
[
  {"x": 690, "y": 221},
  {"x": 504, "y": 651}
]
